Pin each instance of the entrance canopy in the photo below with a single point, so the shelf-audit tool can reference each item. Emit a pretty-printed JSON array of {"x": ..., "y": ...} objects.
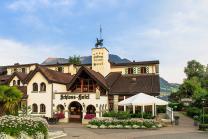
[{"x": 142, "y": 99}]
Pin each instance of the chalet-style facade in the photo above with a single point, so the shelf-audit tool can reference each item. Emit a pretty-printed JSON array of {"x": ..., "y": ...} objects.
[{"x": 77, "y": 90}]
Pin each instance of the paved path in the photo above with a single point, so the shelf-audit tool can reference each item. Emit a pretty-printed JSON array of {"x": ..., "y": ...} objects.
[{"x": 184, "y": 130}]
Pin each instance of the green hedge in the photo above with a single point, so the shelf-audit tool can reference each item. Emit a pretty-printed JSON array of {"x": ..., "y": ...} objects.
[
  {"x": 127, "y": 115},
  {"x": 205, "y": 118},
  {"x": 193, "y": 111},
  {"x": 203, "y": 127}
]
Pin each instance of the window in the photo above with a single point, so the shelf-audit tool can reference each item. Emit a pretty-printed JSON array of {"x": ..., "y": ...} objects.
[
  {"x": 15, "y": 69},
  {"x": 130, "y": 70},
  {"x": 18, "y": 82},
  {"x": 14, "y": 82},
  {"x": 60, "y": 69},
  {"x": 35, "y": 87},
  {"x": 23, "y": 70},
  {"x": 34, "y": 108},
  {"x": 143, "y": 70},
  {"x": 42, "y": 108},
  {"x": 42, "y": 87}
]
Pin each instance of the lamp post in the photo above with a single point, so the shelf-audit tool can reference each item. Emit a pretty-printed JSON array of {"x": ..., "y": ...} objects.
[{"x": 203, "y": 102}]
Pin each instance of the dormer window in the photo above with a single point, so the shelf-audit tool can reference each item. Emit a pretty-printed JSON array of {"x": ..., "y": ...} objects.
[
  {"x": 14, "y": 82},
  {"x": 60, "y": 69},
  {"x": 18, "y": 82}
]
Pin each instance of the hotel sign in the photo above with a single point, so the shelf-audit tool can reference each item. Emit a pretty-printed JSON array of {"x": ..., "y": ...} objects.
[
  {"x": 79, "y": 97},
  {"x": 98, "y": 59}
]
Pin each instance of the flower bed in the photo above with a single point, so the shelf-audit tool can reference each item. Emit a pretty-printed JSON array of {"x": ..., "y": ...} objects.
[
  {"x": 20, "y": 127},
  {"x": 128, "y": 124}
]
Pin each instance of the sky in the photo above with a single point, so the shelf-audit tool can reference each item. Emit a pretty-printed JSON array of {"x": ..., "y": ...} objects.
[{"x": 172, "y": 31}]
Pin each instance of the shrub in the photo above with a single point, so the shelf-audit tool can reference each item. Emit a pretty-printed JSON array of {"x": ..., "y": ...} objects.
[
  {"x": 115, "y": 123},
  {"x": 123, "y": 115},
  {"x": 110, "y": 114},
  {"x": 193, "y": 111},
  {"x": 205, "y": 118},
  {"x": 89, "y": 116},
  {"x": 127, "y": 115},
  {"x": 145, "y": 115},
  {"x": 15, "y": 125},
  {"x": 176, "y": 106},
  {"x": 203, "y": 127},
  {"x": 161, "y": 109}
]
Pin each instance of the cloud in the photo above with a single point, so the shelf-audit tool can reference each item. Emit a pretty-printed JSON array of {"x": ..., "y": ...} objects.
[
  {"x": 174, "y": 37},
  {"x": 13, "y": 52},
  {"x": 34, "y": 5}
]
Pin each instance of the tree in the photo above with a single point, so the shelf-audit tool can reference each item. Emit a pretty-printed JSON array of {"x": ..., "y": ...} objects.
[
  {"x": 74, "y": 60},
  {"x": 191, "y": 88},
  {"x": 194, "y": 69},
  {"x": 9, "y": 99}
]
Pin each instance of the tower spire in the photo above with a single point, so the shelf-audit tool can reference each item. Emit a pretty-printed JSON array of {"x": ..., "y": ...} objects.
[
  {"x": 100, "y": 32},
  {"x": 100, "y": 40}
]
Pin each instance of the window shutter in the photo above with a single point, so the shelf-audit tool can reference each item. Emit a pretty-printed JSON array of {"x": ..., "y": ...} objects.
[
  {"x": 134, "y": 70},
  {"x": 126, "y": 71}
]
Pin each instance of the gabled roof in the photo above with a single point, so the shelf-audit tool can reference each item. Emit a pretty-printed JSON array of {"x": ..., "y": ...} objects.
[
  {"x": 99, "y": 78},
  {"x": 20, "y": 75},
  {"x": 133, "y": 84},
  {"x": 51, "y": 75}
]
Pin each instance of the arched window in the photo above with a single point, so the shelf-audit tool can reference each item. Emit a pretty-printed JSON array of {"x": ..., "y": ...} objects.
[
  {"x": 60, "y": 108},
  {"x": 42, "y": 87},
  {"x": 35, "y": 87},
  {"x": 34, "y": 108},
  {"x": 14, "y": 82},
  {"x": 91, "y": 109},
  {"x": 42, "y": 108}
]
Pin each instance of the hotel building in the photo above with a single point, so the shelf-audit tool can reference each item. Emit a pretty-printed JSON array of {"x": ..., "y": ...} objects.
[{"x": 77, "y": 90}]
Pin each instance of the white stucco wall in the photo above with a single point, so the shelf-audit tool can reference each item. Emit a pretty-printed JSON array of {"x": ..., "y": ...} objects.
[
  {"x": 40, "y": 97},
  {"x": 100, "y": 63}
]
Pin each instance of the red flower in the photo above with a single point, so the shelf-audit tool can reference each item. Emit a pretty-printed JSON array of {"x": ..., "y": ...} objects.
[{"x": 89, "y": 116}]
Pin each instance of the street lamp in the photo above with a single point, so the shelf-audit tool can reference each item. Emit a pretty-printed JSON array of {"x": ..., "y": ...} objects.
[{"x": 203, "y": 102}]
